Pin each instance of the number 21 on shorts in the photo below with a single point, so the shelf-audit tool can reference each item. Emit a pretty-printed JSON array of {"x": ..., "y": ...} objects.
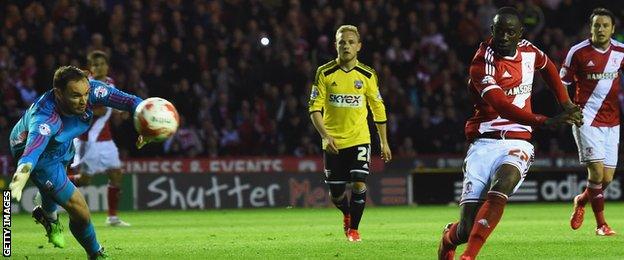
[{"x": 363, "y": 153}]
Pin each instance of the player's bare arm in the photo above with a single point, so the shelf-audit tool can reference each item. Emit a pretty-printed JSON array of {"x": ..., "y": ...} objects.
[
  {"x": 317, "y": 121},
  {"x": 572, "y": 112},
  {"x": 386, "y": 154}
]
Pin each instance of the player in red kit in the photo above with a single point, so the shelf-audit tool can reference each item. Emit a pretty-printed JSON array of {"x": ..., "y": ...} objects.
[
  {"x": 593, "y": 66},
  {"x": 95, "y": 150},
  {"x": 501, "y": 80}
]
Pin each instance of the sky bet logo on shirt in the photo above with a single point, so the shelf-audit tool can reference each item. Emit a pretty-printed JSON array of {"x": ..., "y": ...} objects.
[{"x": 346, "y": 100}]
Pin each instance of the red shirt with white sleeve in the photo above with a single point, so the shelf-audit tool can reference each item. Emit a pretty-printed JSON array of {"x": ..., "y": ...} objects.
[
  {"x": 502, "y": 86},
  {"x": 595, "y": 74}
]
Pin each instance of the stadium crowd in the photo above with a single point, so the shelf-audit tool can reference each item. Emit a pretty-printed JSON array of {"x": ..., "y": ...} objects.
[{"x": 238, "y": 96}]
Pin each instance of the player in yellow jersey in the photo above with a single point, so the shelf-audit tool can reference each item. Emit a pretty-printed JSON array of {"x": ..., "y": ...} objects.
[{"x": 342, "y": 89}]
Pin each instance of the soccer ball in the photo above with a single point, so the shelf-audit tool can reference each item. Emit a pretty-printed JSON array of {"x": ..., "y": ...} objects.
[{"x": 156, "y": 118}]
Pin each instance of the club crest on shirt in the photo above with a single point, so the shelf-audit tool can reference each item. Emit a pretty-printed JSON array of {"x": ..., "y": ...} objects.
[
  {"x": 44, "y": 129},
  {"x": 589, "y": 151},
  {"x": 358, "y": 84},
  {"x": 467, "y": 188},
  {"x": 100, "y": 92},
  {"x": 614, "y": 60},
  {"x": 314, "y": 93}
]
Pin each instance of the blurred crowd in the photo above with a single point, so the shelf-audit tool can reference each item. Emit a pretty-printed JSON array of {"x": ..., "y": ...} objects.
[{"x": 240, "y": 95}]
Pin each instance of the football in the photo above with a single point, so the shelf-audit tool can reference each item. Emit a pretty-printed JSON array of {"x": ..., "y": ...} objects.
[{"x": 156, "y": 118}]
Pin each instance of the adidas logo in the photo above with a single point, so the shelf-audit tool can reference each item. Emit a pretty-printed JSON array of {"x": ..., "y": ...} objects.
[
  {"x": 365, "y": 166},
  {"x": 334, "y": 84},
  {"x": 506, "y": 75},
  {"x": 590, "y": 64},
  {"x": 484, "y": 222}
]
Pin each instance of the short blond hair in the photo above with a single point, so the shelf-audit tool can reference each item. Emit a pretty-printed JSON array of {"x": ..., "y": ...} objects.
[{"x": 348, "y": 28}]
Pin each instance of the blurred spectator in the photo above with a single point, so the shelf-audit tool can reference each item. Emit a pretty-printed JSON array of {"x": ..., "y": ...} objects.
[
  {"x": 185, "y": 142},
  {"x": 5, "y": 132}
]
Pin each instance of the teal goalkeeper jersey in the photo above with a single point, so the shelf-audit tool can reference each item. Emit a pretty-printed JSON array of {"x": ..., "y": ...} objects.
[{"x": 43, "y": 135}]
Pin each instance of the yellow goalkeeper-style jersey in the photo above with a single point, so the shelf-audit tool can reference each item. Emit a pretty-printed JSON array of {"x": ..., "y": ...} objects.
[{"x": 342, "y": 97}]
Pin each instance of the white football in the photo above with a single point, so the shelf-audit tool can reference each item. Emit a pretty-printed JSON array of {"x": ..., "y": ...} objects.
[{"x": 156, "y": 118}]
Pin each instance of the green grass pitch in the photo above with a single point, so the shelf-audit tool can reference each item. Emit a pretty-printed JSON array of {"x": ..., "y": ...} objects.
[{"x": 527, "y": 231}]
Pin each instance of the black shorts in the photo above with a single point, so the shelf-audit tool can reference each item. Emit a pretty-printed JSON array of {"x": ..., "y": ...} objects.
[{"x": 349, "y": 165}]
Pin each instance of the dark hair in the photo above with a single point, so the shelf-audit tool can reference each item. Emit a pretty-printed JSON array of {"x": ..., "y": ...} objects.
[
  {"x": 601, "y": 11},
  {"x": 65, "y": 74},
  {"x": 508, "y": 10},
  {"x": 95, "y": 55}
]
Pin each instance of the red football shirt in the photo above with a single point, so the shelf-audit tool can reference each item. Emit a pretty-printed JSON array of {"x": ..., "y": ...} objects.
[
  {"x": 514, "y": 76},
  {"x": 595, "y": 74}
]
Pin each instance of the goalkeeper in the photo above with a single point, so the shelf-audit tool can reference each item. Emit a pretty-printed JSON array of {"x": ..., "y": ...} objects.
[{"x": 42, "y": 140}]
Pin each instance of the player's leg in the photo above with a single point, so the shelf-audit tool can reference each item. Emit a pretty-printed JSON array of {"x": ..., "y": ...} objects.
[
  {"x": 610, "y": 162},
  {"x": 51, "y": 182},
  {"x": 336, "y": 178},
  {"x": 112, "y": 164},
  {"x": 611, "y": 155},
  {"x": 594, "y": 192},
  {"x": 607, "y": 177},
  {"x": 356, "y": 205},
  {"x": 477, "y": 170},
  {"x": 340, "y": 200},
  {"x": 46, "y": 215},
  {"x": 114, "y": 194},
  {"x": 80, "y": 223},
  {"x": 54, "y": 186},
  {"x": 457, "y": 233},
  {"x": 358, "y": 159},
  {"x": 602, "y": 228},
  {"x": 590, "y": 142},
  {"x": 70, "y": 198},
  {"x": 507, "y": 178}
]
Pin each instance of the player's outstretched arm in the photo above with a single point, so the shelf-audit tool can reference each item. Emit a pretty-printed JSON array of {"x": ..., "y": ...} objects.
[
  {"x": 551, "y": 76},
  {"x": 497, "y": 99},
  {"x": 102, "y": 94},
  {"x": 554, "y": 82}
]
